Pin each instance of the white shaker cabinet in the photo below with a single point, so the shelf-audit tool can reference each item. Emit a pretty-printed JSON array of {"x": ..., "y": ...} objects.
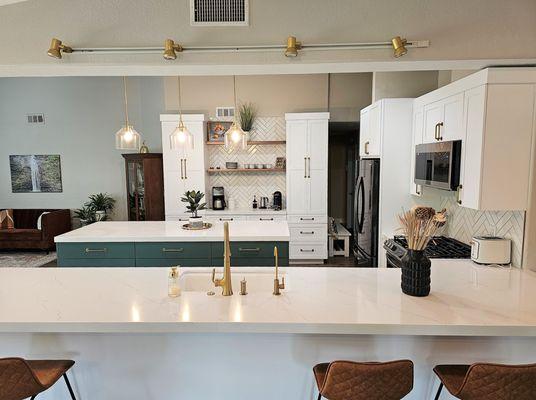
[
  {"x": 443, "y": 120},
  {"x": 183, "y": 170},
  {"x": 307, "y": 184},
  {"x": 370, "y": 131}
]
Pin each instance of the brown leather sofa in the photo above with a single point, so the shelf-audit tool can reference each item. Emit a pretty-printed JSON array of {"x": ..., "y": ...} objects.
[{"x": 25, "y": 235}]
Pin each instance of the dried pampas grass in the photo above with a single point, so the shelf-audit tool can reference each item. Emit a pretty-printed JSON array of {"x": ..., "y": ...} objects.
[{"x": 420, "y": 224}]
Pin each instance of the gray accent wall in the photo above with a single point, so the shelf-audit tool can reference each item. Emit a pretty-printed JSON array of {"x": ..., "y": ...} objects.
[{"x": 82, "y": 115}]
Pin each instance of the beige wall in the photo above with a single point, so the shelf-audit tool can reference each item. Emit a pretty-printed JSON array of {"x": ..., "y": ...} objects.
[
  {"x": 274, "y": 95},
  {"x": 456, "y": 29},
  {"x": 403, "y": 84}
]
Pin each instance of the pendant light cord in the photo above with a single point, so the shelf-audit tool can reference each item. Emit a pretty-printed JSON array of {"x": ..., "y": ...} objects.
[
  {"x": 126, "y": 100},
  {"x": 234, "y": 96},
  {"x": 179, "y": 96}
]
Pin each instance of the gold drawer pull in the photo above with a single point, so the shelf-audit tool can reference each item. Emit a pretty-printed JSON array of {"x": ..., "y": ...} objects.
[
  {"x": 307, "y": 250},
  {"x": 172, "y": 250},
  {"x": 307, "y": 233},
  {"x": 307, "y": 219},
  {"x": 266, "y": 219},
  {"x": 226, "y": 219},
  {"x": 249, "y": 250},
  {"x": 88, "y": 250}
]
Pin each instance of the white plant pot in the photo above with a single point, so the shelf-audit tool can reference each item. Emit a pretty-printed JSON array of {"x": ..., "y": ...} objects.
[
  {"x": 100, "y": 215},
  {"x": 196, "y": 222}
]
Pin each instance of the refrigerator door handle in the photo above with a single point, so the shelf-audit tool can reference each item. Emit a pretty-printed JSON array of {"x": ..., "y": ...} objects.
[{"x": 361, "y": 200}]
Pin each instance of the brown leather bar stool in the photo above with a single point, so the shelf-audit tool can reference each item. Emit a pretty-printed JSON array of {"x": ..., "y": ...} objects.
[
  {"x": 484, "y": 381},
  {"x": 348, "y": 380},
  {"x": 20, "y": 379}
]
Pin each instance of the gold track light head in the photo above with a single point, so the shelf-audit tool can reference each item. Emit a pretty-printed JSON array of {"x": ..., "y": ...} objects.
[
  {"x": 399, "y": 46},
  {"x": 292, "y": 47},
  {"x": 171, "y": 49},
  {"x": 57, "y": 47}
]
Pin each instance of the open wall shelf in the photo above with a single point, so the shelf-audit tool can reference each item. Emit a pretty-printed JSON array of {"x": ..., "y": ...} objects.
[
  {"x": 246, "y": 170},
  {"x": 253, "y": 142}
]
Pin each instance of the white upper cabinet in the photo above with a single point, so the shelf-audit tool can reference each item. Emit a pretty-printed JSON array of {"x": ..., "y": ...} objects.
[
  {"x": 307, "y": 163},
  {"x": 492, "y": 113},
  {"x": 370, "y": 131},
  {"x": 443, "y": 119},
  {"x": 183, "y": 169}
]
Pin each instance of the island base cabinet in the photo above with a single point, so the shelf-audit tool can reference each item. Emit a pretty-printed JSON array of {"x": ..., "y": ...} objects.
[{"x": 167, "y": 254}]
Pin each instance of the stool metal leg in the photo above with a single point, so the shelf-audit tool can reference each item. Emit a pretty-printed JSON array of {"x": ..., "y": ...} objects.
[
  {"x": 69, "y": 386},
  {"x": 439, "y": 391},
  {"x": 319, "y": 396}
]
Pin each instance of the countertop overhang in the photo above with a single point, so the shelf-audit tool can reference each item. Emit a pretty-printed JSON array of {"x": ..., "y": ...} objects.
[
  {"x": 466, "y": 300},
  {"x": 170, "y": 231}
]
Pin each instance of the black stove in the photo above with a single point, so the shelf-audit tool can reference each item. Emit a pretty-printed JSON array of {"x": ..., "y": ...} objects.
[{"x": 439, "y": 247}]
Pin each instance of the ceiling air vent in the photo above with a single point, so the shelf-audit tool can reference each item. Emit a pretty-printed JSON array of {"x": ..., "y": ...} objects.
[
  {"x": 219, "y": 12},
  {"x": 35, "y": 118}
]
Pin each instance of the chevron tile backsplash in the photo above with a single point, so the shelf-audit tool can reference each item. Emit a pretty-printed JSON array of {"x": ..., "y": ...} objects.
[
  {"x": 241, "y": 187},
  {"x": 464, "y": 223}
]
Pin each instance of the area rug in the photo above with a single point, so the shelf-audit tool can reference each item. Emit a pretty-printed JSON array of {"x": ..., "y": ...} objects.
[{"x": 25, "y": 259}]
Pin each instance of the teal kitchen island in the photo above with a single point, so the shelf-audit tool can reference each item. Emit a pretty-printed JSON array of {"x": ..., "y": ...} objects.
[{"x": 166, "y": 243}]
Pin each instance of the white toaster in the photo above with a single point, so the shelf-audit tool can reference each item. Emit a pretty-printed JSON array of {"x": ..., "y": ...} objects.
[{"x": 491, "y": 250}]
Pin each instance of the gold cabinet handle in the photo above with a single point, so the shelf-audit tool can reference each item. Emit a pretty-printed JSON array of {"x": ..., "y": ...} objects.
[
  {"x": 308, "y": 167},
  {"x": 417, "y": 189},
  {"x": 185, "y": 174},
  {"x": 165, "y": 250},
  {"x": 245, "y": 250},
  {"x": 439, "y": 125},
  {"x": 103, "y": 250},
  {"x": 305, "y": 167},
  {"x": 182, "y": 171},
  {"x": 366, "y": 147},
  {"x": 458, "y": 197}
]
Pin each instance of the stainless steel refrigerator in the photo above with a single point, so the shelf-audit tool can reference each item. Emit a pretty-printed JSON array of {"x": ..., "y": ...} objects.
[{"x": 366, "y": 206}]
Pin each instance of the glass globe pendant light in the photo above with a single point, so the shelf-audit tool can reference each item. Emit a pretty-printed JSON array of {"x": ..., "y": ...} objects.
[
  {"x": 127, "y": 138},
  {"x": 181, "y": 138},
  {"x": 235, "y": 136}
]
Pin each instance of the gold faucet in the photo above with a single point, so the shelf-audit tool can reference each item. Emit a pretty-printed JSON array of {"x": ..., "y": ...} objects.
[
  {"x": 225, "y": 282},
  {"x": 277, "y": 286}
]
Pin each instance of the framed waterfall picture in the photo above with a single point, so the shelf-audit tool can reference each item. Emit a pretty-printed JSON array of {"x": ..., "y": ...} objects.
[{"x": 35, "y": 174}]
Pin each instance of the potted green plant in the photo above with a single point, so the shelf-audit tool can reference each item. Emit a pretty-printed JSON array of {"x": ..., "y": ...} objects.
[
  {"x": 86, "y": 215},
  {"x": 193, "y": 198},
  {"x": 102, "y": 204},
  {"x": 247, "y": 112}
]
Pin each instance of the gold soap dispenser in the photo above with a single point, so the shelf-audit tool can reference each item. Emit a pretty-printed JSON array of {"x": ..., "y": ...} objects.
[{"x": 174, "y": 289}]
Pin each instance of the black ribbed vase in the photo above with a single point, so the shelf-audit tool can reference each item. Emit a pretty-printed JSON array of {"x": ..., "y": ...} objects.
[{"x": 416, "y": 273}]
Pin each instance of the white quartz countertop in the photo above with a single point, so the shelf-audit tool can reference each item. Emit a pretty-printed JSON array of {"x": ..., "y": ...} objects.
[
  {"x": 465, "y": 300},
  {"x": 170, "y": 231}
]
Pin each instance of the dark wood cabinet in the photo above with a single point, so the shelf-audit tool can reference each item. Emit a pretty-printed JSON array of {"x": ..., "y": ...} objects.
[{"x": 145, "y": 186}]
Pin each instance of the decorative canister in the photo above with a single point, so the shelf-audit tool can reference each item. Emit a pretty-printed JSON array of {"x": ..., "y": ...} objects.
[{"x": 416, "y": 273}]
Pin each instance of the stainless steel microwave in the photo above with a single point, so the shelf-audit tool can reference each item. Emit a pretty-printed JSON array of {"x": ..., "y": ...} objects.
[{"x": 438, "y": 164}]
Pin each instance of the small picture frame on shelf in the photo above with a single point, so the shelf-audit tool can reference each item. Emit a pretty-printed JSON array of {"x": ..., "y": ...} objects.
[{"x": 216, "y": 130}]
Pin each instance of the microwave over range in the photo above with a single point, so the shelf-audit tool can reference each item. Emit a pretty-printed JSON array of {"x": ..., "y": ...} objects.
[{"x": 438, "y": 164}]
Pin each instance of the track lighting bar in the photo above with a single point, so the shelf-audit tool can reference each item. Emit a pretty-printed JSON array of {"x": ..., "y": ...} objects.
[{"x": 290, "y": 49}]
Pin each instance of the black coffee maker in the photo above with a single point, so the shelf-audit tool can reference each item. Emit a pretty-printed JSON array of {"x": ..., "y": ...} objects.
[
  {"x": 218, "y": 198},
  {"x": 277, "y": 202}
]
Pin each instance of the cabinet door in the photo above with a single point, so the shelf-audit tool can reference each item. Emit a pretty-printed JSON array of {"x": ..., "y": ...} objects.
[
  {"x": 317, "y": 191},
  {"x": 364, "y": 133},
  {"x": 475, "y": 105},
  {"x": 194, "y": 179},
  {"x": 433, "y": 115},
  {"x": 453, "y": 126},
  {"x": 296, "y": 144},
  {"x": 317, "y": 135},
  {"x": 196, "y": 156},
  {"x": 170, "y": 157},
  {"x": 173, "y": 190},
  {"x": 297, "y": 192},
  {"x": 374, "y": 130},
  {"x": 418, "y": 116}
]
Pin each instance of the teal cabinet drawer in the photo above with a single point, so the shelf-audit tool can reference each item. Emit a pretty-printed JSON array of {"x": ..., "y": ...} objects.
[
  {"x": 95, "y": 250},
  {"x": 252, "y": 249},
  {"x": 173, "y": 250},
  {"x": 169, "y": 262},
  {"x": 250, "y": 262},
  {"x": 96, "y": 262}
]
